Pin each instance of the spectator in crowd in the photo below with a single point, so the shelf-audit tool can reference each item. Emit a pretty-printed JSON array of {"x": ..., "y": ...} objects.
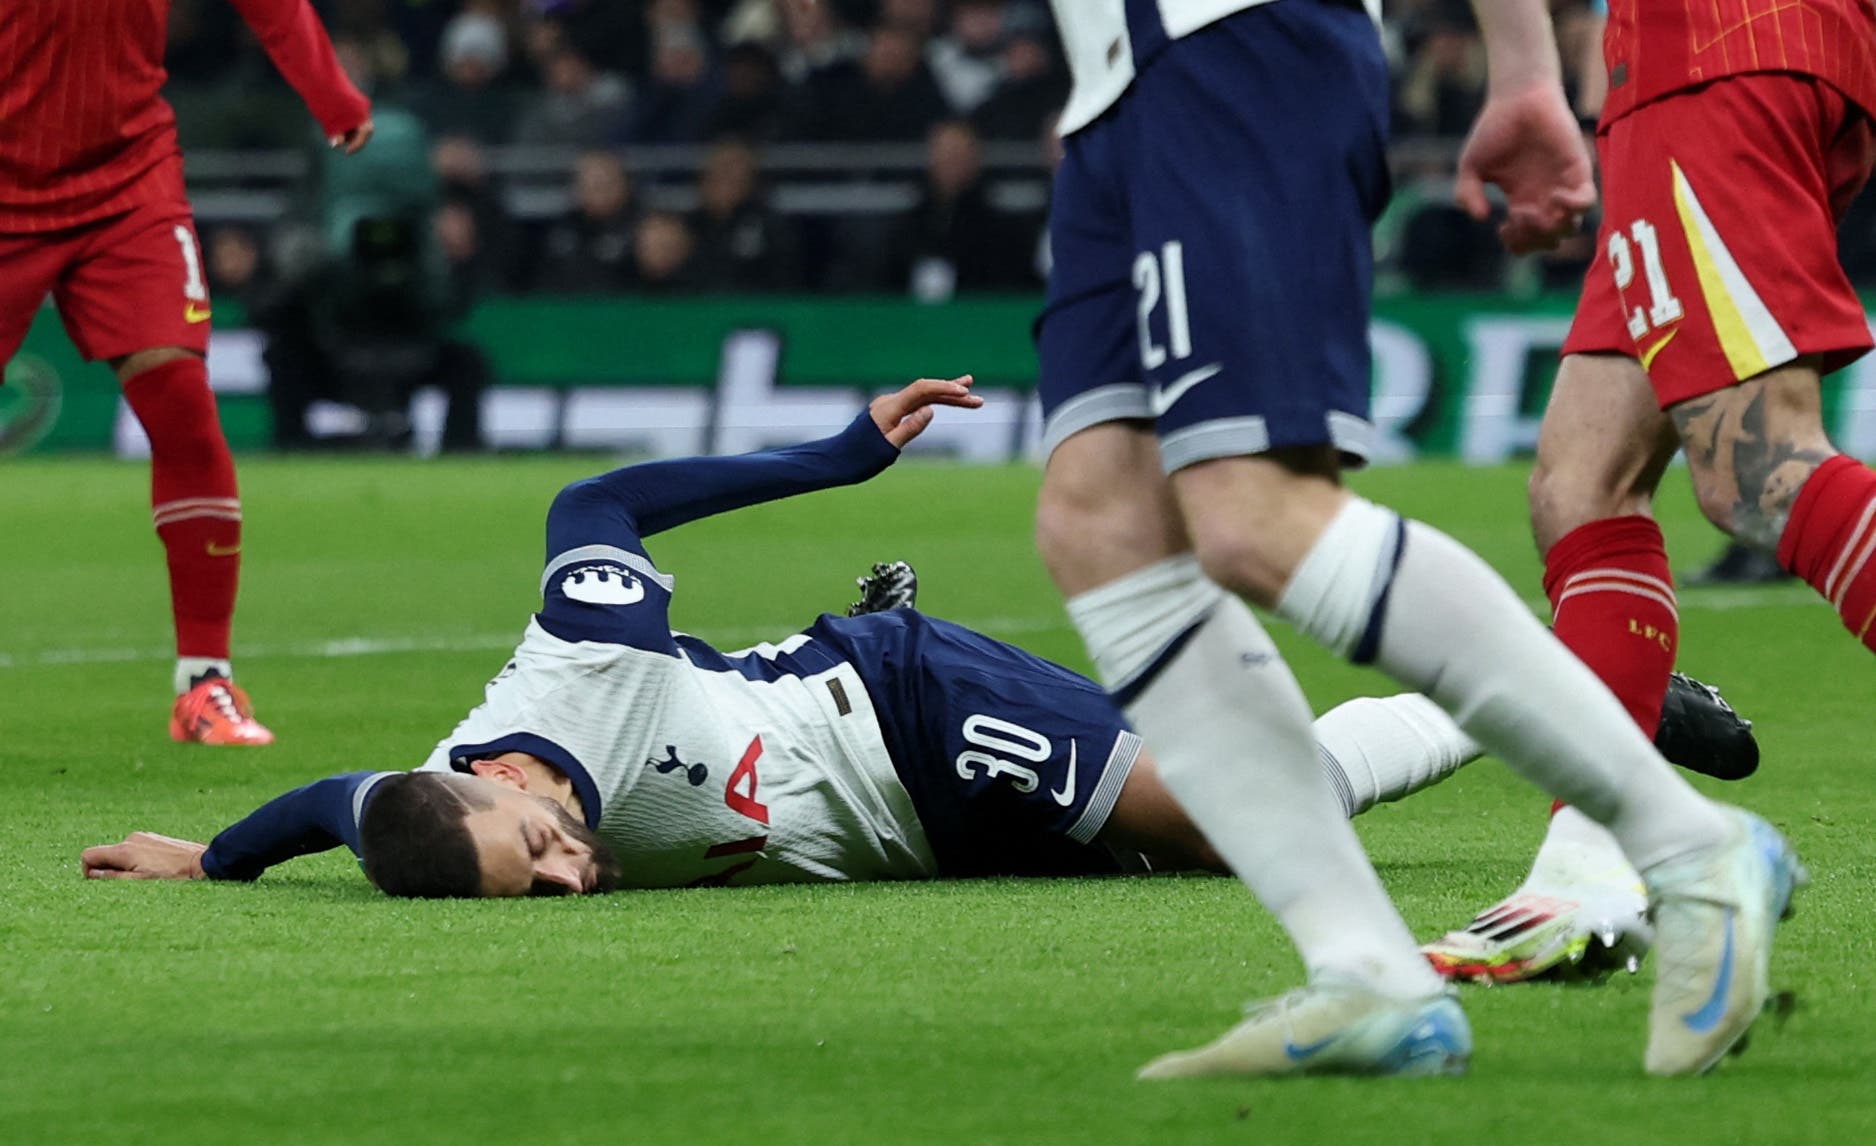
[
  {"x": 462, "y": 174},
  {"x": 418, "y": 26},
  {"x": 1444, "y": 86},
  {"x": 917, "y": 18},
  {"x": 579, "y": 105},
  {"x": 967, "y": 60},
  {"x": 662, "y": 246},
  {"x": 740, "y": 244},
  {"x": 953, "y": 240},
  {"x": 471, "y": 100},
  {"x": 754, "y": 103},
  {"x": 204, "y": 41},
  {"x": 1033, "y": 90},
  {"x": 889, "y": 97},
  {"x": 590, "y": 248},
  {"x": 815, "y": 41},
  {"x": 610, "y": 32},
  {"x": 678, "y": 99},
  {"x": 234, "y": 262}
]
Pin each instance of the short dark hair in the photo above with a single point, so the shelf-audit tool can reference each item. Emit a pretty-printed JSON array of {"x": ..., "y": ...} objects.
[{"x": 414, "y": 840}]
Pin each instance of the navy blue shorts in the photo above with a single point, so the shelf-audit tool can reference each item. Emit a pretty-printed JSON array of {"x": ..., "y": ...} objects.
[
  {"x": 1213, "y": 264},
  {"x": 1013, "y": 762}
]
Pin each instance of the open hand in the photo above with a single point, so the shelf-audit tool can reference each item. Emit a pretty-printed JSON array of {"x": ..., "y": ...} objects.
[
  {"x": 1528, "y": 144},
  {"x": 353, "y": 141},
  {"x": 145, "y": 855},
  {"x": 904, "y": 415}
]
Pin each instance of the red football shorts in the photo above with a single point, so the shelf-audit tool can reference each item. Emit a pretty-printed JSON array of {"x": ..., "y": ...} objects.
[
  {"x": 1718, "y": 250},
  {"x": 123, "y": 284}
]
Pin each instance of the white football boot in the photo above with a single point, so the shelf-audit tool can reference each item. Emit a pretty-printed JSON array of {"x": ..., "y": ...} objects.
[
  {"x": 1332, "y": 1026},
  {"x": 1715, "y": 912},
  {"x": 1582, "y": 910}
]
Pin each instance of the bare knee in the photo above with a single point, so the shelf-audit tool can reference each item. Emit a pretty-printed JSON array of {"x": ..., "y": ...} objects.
[
  {"x": 1602, "y": 449},
  {"x": 1105, "y": 508},
  {"x": 1254, "y": 519},
  {"x": 1563, "y": 499}
]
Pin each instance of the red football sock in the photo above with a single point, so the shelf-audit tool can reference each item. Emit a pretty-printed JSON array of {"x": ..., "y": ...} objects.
[
  {"x": 1830, "y": 537},
  {"x": 1621, "y": 620},
  {"x": 1612, "y": 603},
  {"x": 193, "y": 499}
]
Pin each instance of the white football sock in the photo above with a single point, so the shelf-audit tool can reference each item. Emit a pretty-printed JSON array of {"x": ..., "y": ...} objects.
[
  {"x": 1414, "y": 602},
  {"x": 1231, "y": 731},
  {"x": 1575, "y": 848},
  {"x": 188, "y": 669},
  {"x": 1376, "y": 750}
]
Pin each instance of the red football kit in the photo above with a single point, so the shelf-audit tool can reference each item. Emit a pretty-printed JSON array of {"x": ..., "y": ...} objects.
[
  {"x": 1734, "y": 136},
  {"x": 93, "y": 212},
  {"x": 92, "y": 208}
]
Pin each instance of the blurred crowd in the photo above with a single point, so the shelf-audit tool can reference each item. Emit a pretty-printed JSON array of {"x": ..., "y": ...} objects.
[{"x": 597, "y": 81}]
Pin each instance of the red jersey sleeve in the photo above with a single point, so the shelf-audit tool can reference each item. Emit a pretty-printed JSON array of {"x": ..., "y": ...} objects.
[{"x": 298, "y": 45}]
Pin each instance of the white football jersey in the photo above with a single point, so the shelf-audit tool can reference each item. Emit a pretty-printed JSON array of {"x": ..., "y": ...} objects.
[
  {"x": 691, "y": 769},
  {"x": 1102, "y": 57}
]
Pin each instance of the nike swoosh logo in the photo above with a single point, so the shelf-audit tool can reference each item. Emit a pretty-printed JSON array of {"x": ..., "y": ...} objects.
[
  {"x": 1298, "y": 1054},
  {"x": 1710, "y": 1012},
  {"x": 191, "y": 313},
  {"x": 1066, "y": 796},
  {"x": 1166, "y": 397},
  {"x": 1648, "y": 355},
  {"x": 215, "y": 550}
]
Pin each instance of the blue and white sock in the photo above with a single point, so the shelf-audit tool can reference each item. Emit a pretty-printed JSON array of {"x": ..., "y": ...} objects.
[
  {"x": 1231, "y": 730},
  {"x": 1410, "y": 600}
]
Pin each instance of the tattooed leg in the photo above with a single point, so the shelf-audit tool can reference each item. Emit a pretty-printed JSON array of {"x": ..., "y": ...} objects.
[{"x": 1752, "y": 446}]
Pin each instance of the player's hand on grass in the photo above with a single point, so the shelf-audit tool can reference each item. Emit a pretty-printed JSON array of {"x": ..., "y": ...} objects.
[
  {"x": 353, "y": 141},
  {"x": 145, "y": 855},
  {"x": 904, "y": 415},
  {"x": 1527, "y": 143}
]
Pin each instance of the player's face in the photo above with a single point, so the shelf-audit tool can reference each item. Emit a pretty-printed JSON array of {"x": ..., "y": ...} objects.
[{"x": 530, "y": 846}]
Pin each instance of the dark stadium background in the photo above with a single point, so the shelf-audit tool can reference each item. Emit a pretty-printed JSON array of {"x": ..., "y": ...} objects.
[{"x": 569, "y": 199}]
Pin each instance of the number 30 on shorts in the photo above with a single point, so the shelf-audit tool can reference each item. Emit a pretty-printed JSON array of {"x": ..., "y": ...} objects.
[
  {"x": 995, "y": 742},
  {"x": 1663, "y": 307}
]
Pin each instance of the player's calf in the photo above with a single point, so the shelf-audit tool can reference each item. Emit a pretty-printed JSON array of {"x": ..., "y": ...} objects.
[
  {"x": 1765, "y": 471},
  {"x": 1752, "y": 447}
]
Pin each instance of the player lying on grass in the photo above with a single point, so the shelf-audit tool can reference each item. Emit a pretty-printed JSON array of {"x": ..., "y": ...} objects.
[{"x": 613, "y": 752}]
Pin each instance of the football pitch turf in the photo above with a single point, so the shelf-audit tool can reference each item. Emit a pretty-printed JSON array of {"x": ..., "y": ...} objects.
[{"x": 379, "y": 596}]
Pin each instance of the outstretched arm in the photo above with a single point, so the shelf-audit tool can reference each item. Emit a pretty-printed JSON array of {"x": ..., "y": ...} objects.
[
  {"x": 656, "y": 496},
  {"x": 601, "y": 585},
  {"x": 298, "y": 45},
  {"x": 315, "y": 818}
]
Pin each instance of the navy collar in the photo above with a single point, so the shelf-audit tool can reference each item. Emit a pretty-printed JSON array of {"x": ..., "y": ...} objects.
[{"x": 583, "y": 786}]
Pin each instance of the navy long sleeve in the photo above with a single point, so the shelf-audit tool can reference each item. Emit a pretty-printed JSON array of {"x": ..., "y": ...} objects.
[
  {"x": 316, "y": 818},
  {"x": 656, "y": 496}
]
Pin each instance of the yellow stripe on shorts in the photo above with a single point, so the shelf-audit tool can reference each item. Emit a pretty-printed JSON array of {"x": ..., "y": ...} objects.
[{"x": 1750, "y": 337}]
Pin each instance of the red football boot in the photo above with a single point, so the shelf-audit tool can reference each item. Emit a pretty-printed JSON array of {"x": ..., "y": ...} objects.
[{"x": 217, "y": 711}]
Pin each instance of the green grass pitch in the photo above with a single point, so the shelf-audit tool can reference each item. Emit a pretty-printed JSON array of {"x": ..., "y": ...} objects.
[{"x": 380, "y": 595}]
